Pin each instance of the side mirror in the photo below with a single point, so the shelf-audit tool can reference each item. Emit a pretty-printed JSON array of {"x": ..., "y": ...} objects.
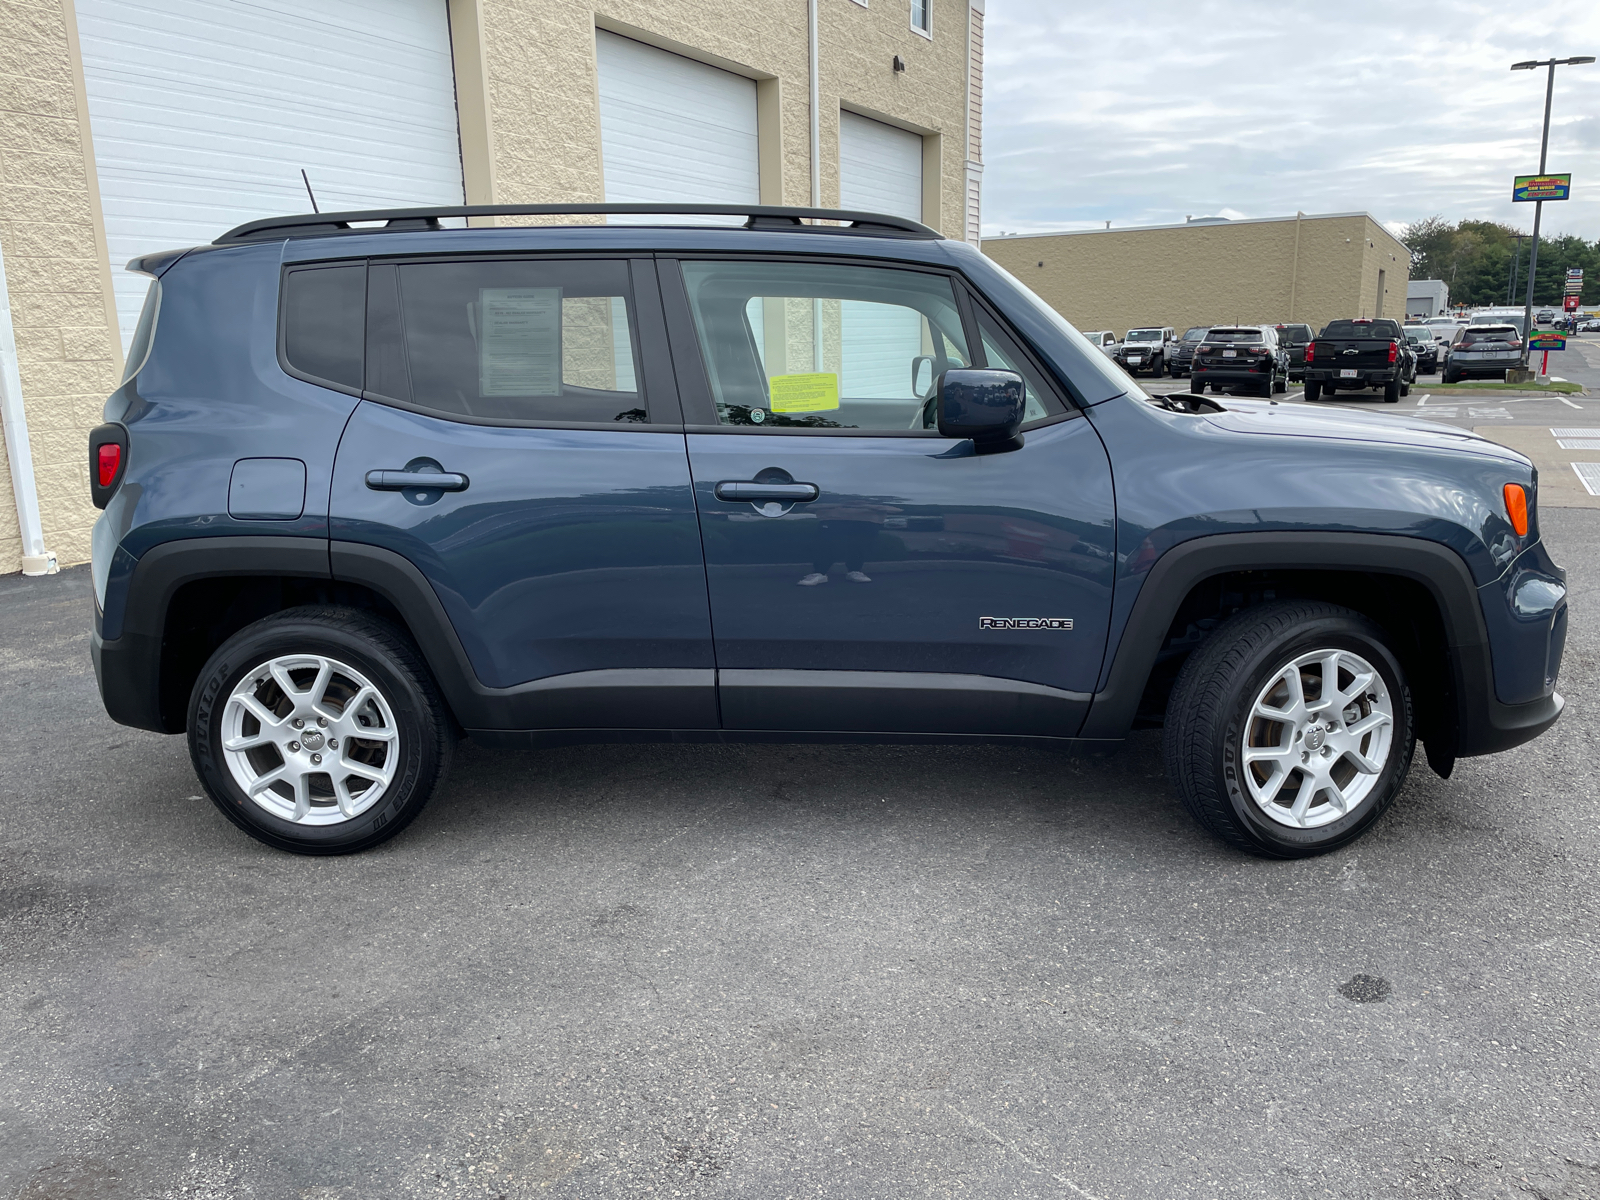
[
  {"x": 922, "y": 378},
  {"x": 986, "y": 406}
]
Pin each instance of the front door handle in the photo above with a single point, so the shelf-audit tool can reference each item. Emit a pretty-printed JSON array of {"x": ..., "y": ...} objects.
[
  {"x": 749, "y": 491},
  {"x": 402, "y": 481}
]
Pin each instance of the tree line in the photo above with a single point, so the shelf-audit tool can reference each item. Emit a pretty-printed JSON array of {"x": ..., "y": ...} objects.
[{"x": 1477, "y": 259}]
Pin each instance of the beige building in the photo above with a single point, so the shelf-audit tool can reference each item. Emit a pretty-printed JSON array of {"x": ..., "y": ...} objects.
[
  {"x": 126, "y": 129},
  {"x": 1310, "y": 269}
]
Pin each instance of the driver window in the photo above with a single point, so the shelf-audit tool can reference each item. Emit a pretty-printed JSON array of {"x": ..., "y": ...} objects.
[
  {"x": 999, "y": 353},
  {"x": 822, "y": 346}
]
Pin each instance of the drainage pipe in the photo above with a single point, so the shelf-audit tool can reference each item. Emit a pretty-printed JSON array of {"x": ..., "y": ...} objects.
[
  {"x": 36, "y": 560},
  {"x": 816, "y": 109}
]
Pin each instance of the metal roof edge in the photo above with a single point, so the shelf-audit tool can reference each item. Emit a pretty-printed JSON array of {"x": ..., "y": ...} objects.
[{"x": 1017, "y": 237}]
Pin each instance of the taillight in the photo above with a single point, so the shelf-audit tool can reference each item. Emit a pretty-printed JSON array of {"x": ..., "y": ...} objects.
[
  {"x": 109, "y": 461},
  {"x": 1311, "y": 351},
  {"x": 1517, "y": 507},
  {"x": 1394, "y": 351},
  {"x": 1512, "y": 343},
  {"x": 108, "y": 455}
]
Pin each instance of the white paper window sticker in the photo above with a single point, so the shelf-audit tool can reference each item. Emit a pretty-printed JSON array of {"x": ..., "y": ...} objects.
[
  {"x": 815, "y": 391},
  {"x": 519, "y": 341}
]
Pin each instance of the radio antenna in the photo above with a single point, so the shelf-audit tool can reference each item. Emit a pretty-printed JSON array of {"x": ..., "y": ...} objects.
[{"x": 309, "y": 192}]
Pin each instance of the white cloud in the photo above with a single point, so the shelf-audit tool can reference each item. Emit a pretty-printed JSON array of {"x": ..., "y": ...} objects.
[{"x": 1097, "y": 112}]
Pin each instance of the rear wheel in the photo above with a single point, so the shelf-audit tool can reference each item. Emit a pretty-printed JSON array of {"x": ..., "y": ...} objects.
[
  {"x": 1290, "y": 730},
  {"x": 1451, "y": 376},
  {"x": 1280, "y": 385},
  {"x": 1392, "y": 391},
  {"x": 319, "y": 730},
  {"x": 1313, "y": 391}
]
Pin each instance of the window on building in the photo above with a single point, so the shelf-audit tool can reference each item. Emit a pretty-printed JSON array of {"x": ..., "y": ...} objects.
[{"x": 922, "y": 16}]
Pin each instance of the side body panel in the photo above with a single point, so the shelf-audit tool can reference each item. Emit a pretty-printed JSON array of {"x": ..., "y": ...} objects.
[
  {"x": 210, "y": 394},
  {"x": 570, "y": 550},
  {"x": 947, "y": 539}
]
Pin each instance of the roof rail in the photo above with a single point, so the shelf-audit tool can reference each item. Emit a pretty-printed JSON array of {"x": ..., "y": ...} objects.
[{"x": 404, "y": 220}]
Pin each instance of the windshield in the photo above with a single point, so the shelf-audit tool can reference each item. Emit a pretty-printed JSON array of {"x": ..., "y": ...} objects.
[
  {"x": 1294, "y": 333},
  {"x": 1197, "y": 334},
  {"x": 1441, "y": 321},
  {"x": 1144, "y": 335},
  {"x": 1491, "y": 333},
  {"x": 1235, "y": 335}
]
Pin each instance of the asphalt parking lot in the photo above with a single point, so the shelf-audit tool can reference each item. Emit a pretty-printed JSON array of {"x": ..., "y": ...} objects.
[{"x": 787, "y": 971}]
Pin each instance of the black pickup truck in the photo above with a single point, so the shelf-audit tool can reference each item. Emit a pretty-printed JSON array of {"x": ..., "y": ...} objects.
[{"x": 1369, "y": 352}]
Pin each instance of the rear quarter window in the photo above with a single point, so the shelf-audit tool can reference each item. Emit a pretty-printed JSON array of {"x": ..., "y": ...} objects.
[{"x": 323, "y": 319}]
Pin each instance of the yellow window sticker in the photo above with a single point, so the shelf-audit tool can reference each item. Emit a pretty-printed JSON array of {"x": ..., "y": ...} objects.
[{"x": 804, "y": 393}]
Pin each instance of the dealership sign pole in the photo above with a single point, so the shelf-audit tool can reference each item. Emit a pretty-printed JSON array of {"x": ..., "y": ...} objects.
[{"x": 1543, "y": 187}]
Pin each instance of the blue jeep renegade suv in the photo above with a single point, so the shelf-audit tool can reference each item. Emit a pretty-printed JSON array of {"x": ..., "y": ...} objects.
[{"x": 371, "y": 484}]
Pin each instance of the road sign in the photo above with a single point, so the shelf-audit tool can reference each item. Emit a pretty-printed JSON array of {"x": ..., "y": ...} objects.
[
  {"x": 1541, "y": 187},
  {"x": 1570, "y": 304},
  {"x": 1548, "y": 341}
]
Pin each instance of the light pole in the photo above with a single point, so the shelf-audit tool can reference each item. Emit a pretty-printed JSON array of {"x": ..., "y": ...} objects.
[
  {"x": 1538, "y": 208},
  {"x": 1516, "y": 268}
]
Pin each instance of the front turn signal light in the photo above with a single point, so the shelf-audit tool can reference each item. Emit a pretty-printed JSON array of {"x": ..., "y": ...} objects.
[{"x": 1517, "y": 508}]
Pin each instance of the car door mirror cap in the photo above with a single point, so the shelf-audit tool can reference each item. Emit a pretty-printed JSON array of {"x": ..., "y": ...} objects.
[{"x": 984, "y": 405}]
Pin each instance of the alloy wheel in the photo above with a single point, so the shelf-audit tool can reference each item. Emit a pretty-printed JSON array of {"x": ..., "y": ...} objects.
[
  {"x": 310, "y": 739},
  {"x": 1318, "y": 737}
]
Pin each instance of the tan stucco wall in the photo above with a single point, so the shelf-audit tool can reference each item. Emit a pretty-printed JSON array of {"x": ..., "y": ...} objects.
[
  {"x": 541, "y": 142},
  {"x": 526, "y": 92},
  {"x": 67, "y": 352},
  {"x": 1209, "y": 274}
]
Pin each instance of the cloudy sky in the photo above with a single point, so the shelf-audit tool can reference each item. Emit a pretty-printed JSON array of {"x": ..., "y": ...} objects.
[{"x": 1148, "y": 112}]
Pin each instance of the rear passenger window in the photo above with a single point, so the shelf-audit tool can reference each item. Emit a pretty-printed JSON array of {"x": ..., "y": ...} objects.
[
  {"x": 324, "y": 316},
  {"x": 527, "y": 340}
]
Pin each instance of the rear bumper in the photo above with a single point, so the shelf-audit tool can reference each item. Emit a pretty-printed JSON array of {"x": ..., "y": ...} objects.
[
  {"x": 1364, "y": 377},
  {"x": 126, "y": 668},
  {"x": 1230, "y": 374}
]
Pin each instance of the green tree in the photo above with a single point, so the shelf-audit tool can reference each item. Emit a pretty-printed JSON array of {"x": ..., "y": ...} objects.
[{"x": 1476, "y": 259}]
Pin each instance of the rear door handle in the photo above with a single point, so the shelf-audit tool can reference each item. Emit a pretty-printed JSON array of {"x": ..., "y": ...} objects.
[
  {"x": 400, "y": 481},
  {"x": 792, "y": 493}
]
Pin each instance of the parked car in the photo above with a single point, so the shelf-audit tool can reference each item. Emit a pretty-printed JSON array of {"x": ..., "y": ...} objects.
[
  {"x": 1295, "y": 338},
  {"x": 1425, "y": 346},
  {"x": 1247, "y": 355},
  {"x": 1515, "y": 317},
  {"x": 1589, "y": 325},
  {"x": 1367, "y": 352},
  {"x": 369, "y": 487},
  {"x": 1104, "y": 340},
  {"x": 1484, "y": 352},
  {"x": 1145, "y": 350},
  {"x": 1545, "y": 316},
  {"x": 1181, "y": 356}
]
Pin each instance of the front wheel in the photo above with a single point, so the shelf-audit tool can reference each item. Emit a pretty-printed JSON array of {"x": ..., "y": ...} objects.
[
  {"x": 1290, "y": 730},
  {"x": 319, "y": 730}
]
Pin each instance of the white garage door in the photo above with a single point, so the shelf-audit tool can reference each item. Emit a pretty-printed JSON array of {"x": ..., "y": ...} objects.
[
  {"x": 880, "y": 170},
  {"x": 880, "y": 167},
  {"x": 204, "y": 112},
  {"x": 672, "y": 129}
]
